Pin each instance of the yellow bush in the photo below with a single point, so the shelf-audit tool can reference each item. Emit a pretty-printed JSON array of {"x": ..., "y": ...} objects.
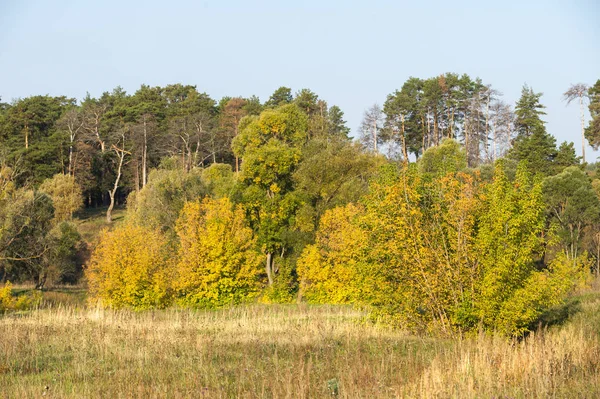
[
  {"x": 330, "y": 270},
  {"x": 218, "y": 262},
  {"x": 22, "y": 302},
  {"x": 131, "y": 268}
]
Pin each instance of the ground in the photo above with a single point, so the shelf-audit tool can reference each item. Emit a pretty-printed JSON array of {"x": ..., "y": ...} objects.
[{"x": 66, "y": 349}]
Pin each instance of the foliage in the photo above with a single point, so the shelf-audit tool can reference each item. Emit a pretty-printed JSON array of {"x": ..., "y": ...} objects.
[
  {"x": 218, "y": 263},
  {"x": 592, "y": 132},
  {"x": 64, "y": 257},
  {"x": 573, "y": 205},
  {"x": 441, "y": 253},
  {"x": 158, "y": 204},
  {"x": 446, "y": 158},
  {"x": 66, "y": 196},
  {"x": 8, "y": 302},
  {"x": 131, "y": 267},
  {"x": 333, "y": 269}
]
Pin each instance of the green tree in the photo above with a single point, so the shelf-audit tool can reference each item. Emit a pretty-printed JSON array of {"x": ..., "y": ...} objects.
[
  {"x": 65, "y": 194},
  {"x": 528, "y": 112},
  {"x": 270, "y": 147},
  {"x": 449, "y": 157},
  {"x": 592, "y": 131},
  {"x": 573, "y": 206},
  {"x": 533, "y": 144},
  {"x": 281, "y": 96}
]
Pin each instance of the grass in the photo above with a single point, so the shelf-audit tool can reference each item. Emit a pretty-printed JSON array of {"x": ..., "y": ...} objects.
[
  {"x": 294, "y": 351},
  {"x": 91, "y": 221}
]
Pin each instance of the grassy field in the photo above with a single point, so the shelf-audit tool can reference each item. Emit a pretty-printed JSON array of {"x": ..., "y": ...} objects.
[{"x": 67, "y": 350}]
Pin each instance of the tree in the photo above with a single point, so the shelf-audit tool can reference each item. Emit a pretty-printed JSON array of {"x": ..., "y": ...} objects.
[
  {"x": 533, "y": 144},
  {"x": 218, "y": 262},
  {"x": 230, "y": 117},
  {"x": 578, "y": 91},
  {"x": 592, "y": 132},
  {"x": 566, "y": 157},
  {"x": 131, "y": 267},
  {"x": 371, "y": 126},
  {"x": 573, "y": 205},
  {"x": 446, "y": 158},
  {"x": 333, "y": 270},
  {"x": 65, "y": 194},
  {"x": 281, "y": 96},
  {"x": 158, "y": 205},
  {"x": 528, "y": 112},
  {"x": 72, "y": 123},
  {"x": 270, "y": 147},
  {"x": 337, "y": 124}
]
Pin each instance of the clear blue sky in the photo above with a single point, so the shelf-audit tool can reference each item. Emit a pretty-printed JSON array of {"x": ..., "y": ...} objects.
[{"x": 350, "y": 53}]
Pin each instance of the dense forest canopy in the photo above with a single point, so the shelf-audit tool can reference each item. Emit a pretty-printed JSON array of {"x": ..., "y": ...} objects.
[{"x": 451, "y": 209}]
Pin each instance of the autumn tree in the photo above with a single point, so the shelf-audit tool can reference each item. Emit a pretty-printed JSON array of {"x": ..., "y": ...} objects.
[
  {"x": 218, "y": 261},
  {"x": 130, "y": 267}
]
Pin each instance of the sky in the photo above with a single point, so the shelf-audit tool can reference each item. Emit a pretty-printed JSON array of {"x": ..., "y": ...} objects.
[{"x": 351, "y": 53}]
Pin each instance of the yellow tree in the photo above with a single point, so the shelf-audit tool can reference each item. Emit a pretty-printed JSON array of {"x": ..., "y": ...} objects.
[
  {"x": 333, "y": 269},
  {"x": 218, "y": 264},
  {"x": 131, "y": 267}
]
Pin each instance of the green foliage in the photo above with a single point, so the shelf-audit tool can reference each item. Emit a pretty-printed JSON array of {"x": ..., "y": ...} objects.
[
  {"x": 158, "y": 204},
  {"x": 592, "y": 131},
  {"x": 448, "y": 157},
  {"x": 573, "y": 205},
  {"x": 64, "y": 255},
  {"x": 66, "y": 196},
  {"x": 528, "y": 113}
]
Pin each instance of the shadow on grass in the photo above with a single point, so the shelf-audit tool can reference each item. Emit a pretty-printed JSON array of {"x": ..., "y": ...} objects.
[{"x": 558, "y": 315}]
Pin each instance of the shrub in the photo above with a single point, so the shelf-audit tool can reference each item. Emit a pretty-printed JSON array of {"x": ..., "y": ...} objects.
[
  {"x": 218, "y": 263},
  {"x": 131, "y": 267}
]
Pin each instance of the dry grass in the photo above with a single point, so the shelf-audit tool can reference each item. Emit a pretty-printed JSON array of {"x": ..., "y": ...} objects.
[{"x": 283, "y": 351}]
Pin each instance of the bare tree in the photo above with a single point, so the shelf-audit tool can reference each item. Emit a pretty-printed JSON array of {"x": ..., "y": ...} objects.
[
  {"x": 121, "y": 152},
  {"x": 501, "y": 125},
  {"x": 92, "y": 118},
  {"x": 72, "y": 122},
  {"x": 580, "y": 91},
  {"x": 371, "y": 125}
]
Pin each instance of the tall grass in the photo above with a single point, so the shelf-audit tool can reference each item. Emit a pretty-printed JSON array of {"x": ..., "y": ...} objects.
[{"x": 285, "y": 352}]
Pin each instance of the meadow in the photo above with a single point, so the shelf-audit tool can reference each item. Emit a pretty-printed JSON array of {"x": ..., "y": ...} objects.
[{"x": 66, "y": 349}]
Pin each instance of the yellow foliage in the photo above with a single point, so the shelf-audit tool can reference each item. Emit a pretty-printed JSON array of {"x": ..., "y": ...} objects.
[
  {"x": 131, "y": 268},
  {"x": 22, "y": 302},
  {"x": 332, "y": 269},
  {"x": 218, "y": 263}
]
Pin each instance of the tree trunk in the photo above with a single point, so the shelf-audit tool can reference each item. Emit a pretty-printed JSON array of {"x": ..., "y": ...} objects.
[
  {"x": 145, "y": 155},
  {"x": 268, "y": 267},
  {"x": 111, "y": 193},
  {"x": 375, "y": 135},
  {"x": 582, "y": 129},
  {"x": 404, "y": 150}
]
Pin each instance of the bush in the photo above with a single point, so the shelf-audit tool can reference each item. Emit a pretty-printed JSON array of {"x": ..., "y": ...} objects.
[
  {"x": 218, "y": 262},
  {"x": 131, "y": 267}
]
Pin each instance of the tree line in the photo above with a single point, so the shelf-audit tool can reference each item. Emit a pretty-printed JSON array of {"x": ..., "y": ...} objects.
[{"x": 450, "y": 210}]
